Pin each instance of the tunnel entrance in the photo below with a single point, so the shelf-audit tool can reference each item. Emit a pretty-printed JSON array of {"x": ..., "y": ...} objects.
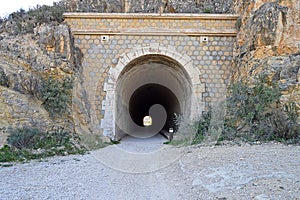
[
  {"x": 165, "y": 55},
  {"x": 148, "y": 95},
  {"x": 146, "y": 81}
]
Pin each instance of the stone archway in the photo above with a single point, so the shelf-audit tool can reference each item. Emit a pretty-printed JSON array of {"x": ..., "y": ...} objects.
[
  {"x": 200, "y": 45},
  {"x": 153, "y": 66}
]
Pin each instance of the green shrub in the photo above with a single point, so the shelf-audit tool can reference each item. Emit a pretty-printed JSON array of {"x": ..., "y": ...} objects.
[
  {"x": 55, "y": 138},
  {"x": 47, "y": 14},
  {"x": 56, "y": 95},
  {"x": 29, "y": 27},
  {"x": 207, "y": 10},
  {"x": 238, "y": 23},
  {"x": 24, "y": 138},
  {"x": 201, "y": 128},
  {"x": 254, "y": 113},
  {"x": 9, "y": 154},
  {"x": 250, "y": 105},
  {"x": 3, "y": 78},
  {"x": 177, "y": 121},
  {"x": 291, "y": 110},
  {"x": 25, "y": 22},
  {"x": 28, "y": 143},
  {"x": 31, "y": 138}
]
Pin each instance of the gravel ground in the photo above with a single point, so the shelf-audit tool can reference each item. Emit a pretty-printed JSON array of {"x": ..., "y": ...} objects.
[{"x": 147, "y": 169}]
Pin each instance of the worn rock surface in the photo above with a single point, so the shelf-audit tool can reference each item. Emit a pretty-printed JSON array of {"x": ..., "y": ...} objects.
[
  {"x": 268, "y": 28},
  {"x": 268, "y": 43},
  {"x": 17, "y": 111},
  {"x": 150, "y": 6},
  {"x": 27, "y": 59}
]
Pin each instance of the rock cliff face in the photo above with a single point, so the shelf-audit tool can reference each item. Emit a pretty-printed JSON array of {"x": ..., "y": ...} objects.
[
  {"x": 151, "y": 6},
  {"x": 17, "y": 111},
  {"x": 268, "y": 29},
  {"x": 27, "y": 59},
  {"x": 268, "y": 43}
]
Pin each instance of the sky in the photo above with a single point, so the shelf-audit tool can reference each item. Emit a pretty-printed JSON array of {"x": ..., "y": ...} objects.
[{"x": 9, "y": 6}]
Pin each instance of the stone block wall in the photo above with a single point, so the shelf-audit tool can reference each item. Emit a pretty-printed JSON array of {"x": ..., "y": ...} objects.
[{"x": 205, "y": 41}]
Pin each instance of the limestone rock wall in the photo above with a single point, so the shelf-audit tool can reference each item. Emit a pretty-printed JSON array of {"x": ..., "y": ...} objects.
[
  {"x": 25, "y": 60},
  {"x": 268, "y": 29},
  {"x": 150, "y": 6},
  {"x": 268, "y": 43},
  {"x": 17, "y": 111}
]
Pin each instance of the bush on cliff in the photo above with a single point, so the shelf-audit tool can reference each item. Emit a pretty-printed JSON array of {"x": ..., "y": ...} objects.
[
  {"x": 22, "y": 22},
  {"x": 253, "y": 113},
  {"x": 3, "y": 78},
  {"x": 56, "y": 95}
]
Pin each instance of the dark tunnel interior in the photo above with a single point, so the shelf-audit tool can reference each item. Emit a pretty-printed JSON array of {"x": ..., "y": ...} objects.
[{"x": 149, "y": 94}]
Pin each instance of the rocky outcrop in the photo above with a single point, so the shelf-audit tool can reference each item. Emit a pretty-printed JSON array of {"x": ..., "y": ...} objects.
[
  {"x": 18, "y": 110},
  {"x": 283, "y": 71},
  {"x": 21, "y": 22},
  {"x": 102, "y": 6},
  {"x": 150, "y": 6},
  {"x": 268, "y": 43},
  {"x": 270, "y": 30},
  {"x": 27, "y": 60}
]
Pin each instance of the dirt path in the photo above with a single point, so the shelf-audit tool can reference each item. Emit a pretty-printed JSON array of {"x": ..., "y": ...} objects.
[{"x": 140, "y": 169}]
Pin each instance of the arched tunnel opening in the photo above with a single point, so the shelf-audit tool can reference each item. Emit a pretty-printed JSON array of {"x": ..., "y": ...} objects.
[
  {"x": 146, "y": 81},
  {"x": 148, "y": 95}
]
